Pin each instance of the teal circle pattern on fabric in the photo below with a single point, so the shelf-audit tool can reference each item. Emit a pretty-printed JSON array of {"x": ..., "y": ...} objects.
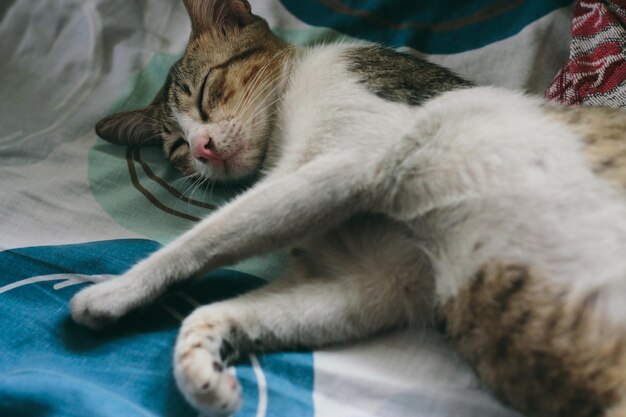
[
  {"x": 433, "y": 27},
  {"x": 51, "y": 366}
]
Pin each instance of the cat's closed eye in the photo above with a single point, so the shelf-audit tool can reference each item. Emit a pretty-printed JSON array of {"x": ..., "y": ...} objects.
[
  {"x": 185, "y": 88},
  {"x": 203, "y": 114},
  {"x": 179, "y": 143}
]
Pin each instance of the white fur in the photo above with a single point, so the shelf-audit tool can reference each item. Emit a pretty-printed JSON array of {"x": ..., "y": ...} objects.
[
  {"x": 524, "y": 182},
  {"x": 473, "y": 175}
]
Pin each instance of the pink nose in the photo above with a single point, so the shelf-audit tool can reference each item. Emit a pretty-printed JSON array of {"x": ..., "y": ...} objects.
[{"x": 205, "y": 150}]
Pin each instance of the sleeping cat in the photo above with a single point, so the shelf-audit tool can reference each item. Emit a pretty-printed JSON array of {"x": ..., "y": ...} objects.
[{"x": 410, "y": 195}]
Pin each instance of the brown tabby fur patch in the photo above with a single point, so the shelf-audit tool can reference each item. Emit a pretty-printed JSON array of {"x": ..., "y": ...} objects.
[
  {"x": 539, "y": 352},
  {"x": 604, "y": 131}
]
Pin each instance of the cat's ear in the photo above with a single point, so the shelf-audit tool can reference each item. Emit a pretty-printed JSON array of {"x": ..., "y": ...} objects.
[
  {"x": 218, "y": 15},
  {"x": 138, "y": 127}
]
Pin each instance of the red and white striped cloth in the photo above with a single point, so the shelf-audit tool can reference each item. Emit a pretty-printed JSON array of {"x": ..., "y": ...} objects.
[{"x": 596, "y": 72}]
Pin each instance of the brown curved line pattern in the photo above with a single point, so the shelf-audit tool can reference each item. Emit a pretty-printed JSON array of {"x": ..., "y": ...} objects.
[
  {"x": 148, "y": 171},
  {"x": 147, "y": 194},
  {"x": 498, "y": 8}
]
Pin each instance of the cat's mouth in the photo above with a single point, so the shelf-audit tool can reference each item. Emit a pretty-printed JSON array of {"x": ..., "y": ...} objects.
[
  {"x": 213, "y": 168},
  {"x": 233, "y": 167},
  {"x": 222, "y": 166},
  {"x": 216, "y": 161}
]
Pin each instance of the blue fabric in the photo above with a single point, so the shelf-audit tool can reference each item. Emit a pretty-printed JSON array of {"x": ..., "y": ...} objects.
[
  {"x": 435, "y": 27},
  {"x": 51, "y": 367}
]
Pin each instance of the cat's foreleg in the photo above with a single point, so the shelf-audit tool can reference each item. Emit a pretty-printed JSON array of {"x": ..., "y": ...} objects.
[{"x": 273, "y": 214}]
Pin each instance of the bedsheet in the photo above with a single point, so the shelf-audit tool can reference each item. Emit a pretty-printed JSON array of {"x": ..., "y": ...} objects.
[{"x": 75, "y": 209}]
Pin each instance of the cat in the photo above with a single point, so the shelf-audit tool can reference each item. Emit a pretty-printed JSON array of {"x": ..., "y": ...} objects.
[{"x": 410, "y": 196}]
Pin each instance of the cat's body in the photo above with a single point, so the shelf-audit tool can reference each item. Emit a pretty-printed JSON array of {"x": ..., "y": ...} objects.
[{"x": 409, "y": 195}]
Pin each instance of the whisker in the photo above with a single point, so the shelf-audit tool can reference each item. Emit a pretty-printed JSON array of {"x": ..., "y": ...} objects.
[
  {"x": 267, "y": 90},
  {"x": 182, "y": 179},
  {"x": 210, "y": 181},
  {"x": 256, "y": 81},
  {"x": 183, "y": 194},
  {"x": 261, "y": 107}
]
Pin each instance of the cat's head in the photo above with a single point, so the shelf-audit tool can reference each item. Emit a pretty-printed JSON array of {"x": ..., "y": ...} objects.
[{"x": 214, "y": 114}]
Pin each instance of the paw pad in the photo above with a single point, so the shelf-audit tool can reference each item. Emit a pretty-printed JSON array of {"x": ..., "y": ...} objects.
[{"x": 199, "y": 370}]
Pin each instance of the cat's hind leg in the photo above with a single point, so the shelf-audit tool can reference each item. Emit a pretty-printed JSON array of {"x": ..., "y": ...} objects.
[
  {"x": 324, "y": 298},
  {"x": 545, "y": 351}
]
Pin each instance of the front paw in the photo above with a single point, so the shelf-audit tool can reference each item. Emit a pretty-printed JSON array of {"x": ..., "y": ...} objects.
[
  {"x": 199, "y": 367},
  {"x": 102, "y": 304}
]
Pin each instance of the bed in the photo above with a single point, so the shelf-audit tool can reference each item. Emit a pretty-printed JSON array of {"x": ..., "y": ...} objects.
[{"x": 75, "y": 209}]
